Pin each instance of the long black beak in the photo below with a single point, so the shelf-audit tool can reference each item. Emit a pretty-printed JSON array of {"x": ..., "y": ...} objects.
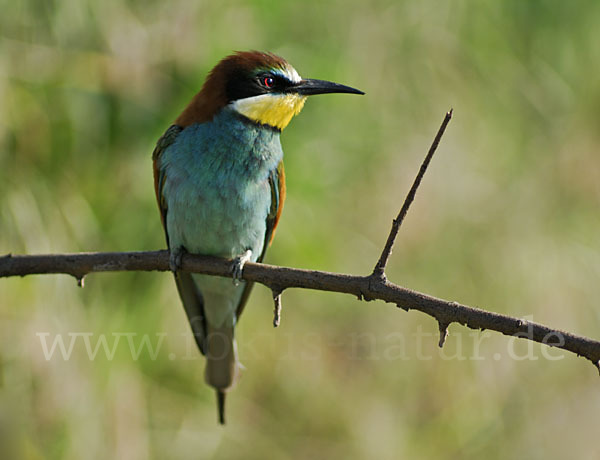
[{"x": 310, "y": 86}]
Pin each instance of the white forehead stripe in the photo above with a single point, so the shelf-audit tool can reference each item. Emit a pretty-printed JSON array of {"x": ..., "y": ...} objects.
[{"x": 290, "y": 73}]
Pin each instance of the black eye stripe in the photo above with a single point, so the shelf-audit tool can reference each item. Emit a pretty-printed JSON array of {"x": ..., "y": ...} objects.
[
  {"x": 273, "y": 81},
  {"x": 242, "y": 86}
]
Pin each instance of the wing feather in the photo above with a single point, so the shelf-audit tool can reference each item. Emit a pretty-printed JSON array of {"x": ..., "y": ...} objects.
[
  {"x": 277, "y": 183},
  {"x": 188, "y": 292}
]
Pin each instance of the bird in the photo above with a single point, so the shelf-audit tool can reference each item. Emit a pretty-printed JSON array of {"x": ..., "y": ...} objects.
[{"x": 220, "y": 185}]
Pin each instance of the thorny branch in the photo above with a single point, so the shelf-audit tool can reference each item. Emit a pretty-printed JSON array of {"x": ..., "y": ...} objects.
[
  {"x": 363, "y": 287},
  {"x": 374, "y": 286}
]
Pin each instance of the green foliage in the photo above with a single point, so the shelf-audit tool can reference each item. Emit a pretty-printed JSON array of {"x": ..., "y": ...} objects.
[{"x": 507, "y": 218}]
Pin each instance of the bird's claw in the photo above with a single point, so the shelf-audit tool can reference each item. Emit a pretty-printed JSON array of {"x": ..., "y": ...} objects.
[
  {"x": 238, "y": 266},
  {"x": 175, "y": 259}
]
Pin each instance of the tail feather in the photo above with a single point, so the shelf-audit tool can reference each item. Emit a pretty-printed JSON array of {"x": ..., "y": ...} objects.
[
  {"x": 221, "y": 406},
  {"x": 222, "y": 366},
  {"x": 211, "y": 307},
  {"x": 193, "y": 304}
]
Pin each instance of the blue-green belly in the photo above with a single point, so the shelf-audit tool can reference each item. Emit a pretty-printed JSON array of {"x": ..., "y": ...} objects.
[{"x": 218, "y": 196}]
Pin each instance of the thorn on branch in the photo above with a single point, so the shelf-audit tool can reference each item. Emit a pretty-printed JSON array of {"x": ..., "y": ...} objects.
[
  {"x": 404, "y": 307},
  {"x": 365, "y": 296},
  {"x": 80, "y": 280},
  {"x": 443, "y": 327},
  {"x": 277, "y": 310},
  {"x": 597, "y": 364}
]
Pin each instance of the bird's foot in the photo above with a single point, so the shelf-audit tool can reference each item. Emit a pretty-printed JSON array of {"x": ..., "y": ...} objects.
[
  {"x": 175, "y": 258},
  {"x": 238, "y": 266}
]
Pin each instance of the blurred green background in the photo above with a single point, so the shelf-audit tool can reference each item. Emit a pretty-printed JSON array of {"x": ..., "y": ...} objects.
[{"x": 508, "y": 218}]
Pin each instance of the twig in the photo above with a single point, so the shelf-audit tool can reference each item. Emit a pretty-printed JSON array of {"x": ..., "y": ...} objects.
[
  {"x": 443, "y": 311},
  {"x": 379, "y": 270}
]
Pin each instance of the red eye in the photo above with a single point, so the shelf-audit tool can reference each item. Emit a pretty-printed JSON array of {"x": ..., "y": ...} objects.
[{"x": 268, "y": 82}]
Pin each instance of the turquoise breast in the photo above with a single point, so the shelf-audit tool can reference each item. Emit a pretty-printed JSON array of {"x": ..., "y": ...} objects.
[{"x": 216, "y": 187}]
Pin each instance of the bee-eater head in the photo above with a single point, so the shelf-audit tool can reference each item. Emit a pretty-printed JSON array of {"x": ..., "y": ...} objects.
[{"x": 263, "y": 87}]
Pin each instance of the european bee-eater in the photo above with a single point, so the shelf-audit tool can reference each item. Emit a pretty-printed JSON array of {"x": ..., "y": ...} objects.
[{"x": 220, "y": 186}]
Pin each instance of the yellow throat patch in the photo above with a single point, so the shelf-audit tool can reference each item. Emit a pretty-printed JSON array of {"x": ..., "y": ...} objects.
[{"x": 275, "y": 110}]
